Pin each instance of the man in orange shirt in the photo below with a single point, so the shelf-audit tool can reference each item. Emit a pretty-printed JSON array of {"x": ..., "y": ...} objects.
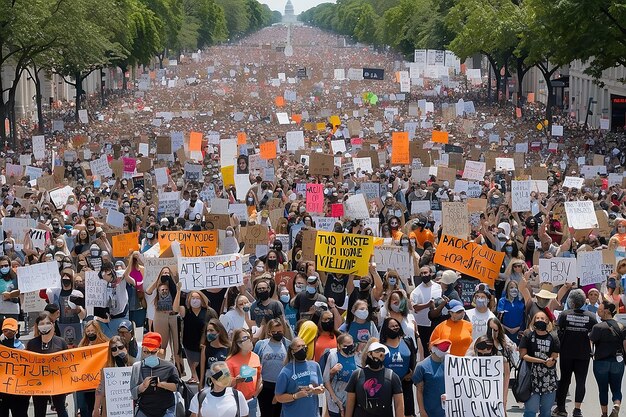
[
  {"x": 455, "y": 329},
  {"x": 421, "y": 234}
]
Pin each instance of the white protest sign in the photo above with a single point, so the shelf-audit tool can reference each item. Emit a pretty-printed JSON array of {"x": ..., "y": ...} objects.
[
  {"x": 507, "y": 164},
  {"x": 557, "y": 271},
  {"x": 520, "y": 196},
  {"x": 573, "y": 182},
  {"x": 295, "y": 140},
  {"x": 364, "y": 164},
  {"x": 33, "y": 172},
  {"x": 338, "y": 146},
  {"x": 393, "y": 257},
  {"x": 153, "y": 266},
  {"x": 59, "y": 196},
  {"x": 589, "y": 271},
  {"x": 83, "y": 116},
  {"x": 474, "y": 385},
  {"x": 228, "y": 152},
  {"x": 581, "y": 214},
  {"x": 206, "y": 272},
  {"x": 33, "y": 303},
  {"x": 101, "y": 166},
  {"x": 355, "y": 207},
  {"x": 115, "y": 218},
  {"x": 38, "y": 276},
  {"x": 474, "y": 170},
  {"x": 161, "y": 176},
  {"x": 324, "y": 223},
  {"x": 38, "y": 238},
  {"x": 557, "y": 130},
  {"x": 39, "y": 147},
  {"x": 95, "y": 290},
  {"x": 17, "y": 227},
  {"x": 119, "y": 400}
]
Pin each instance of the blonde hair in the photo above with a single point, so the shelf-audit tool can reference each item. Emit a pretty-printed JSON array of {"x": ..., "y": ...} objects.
[
  {"x": 100, "y": 336},
  {"x": 534, "y": 319}
]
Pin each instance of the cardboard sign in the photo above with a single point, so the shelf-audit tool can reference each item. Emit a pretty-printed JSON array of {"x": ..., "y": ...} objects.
[
  {"x": 124, "y": 244},
  {"x": 199, "y": 273},
  {"x": 192, "y": 244},
  {"x": 343, "y": 253},
  {"x": 469, "y": 258},
  {"x": 27, "y": 373},
  {"x": 455, "y": 219},
  {"x": 322, "y": 164},
  {"x": 557, "y": 271},
  {"x": 253, "y": 236},
  {"x": 589, "y": 272}
]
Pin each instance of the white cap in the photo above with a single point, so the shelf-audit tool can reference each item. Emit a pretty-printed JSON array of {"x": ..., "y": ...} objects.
[{"x": 376, "y": 345}]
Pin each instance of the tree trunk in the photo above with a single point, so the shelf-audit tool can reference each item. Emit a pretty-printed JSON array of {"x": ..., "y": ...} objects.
[
  {"x": 12, "y": 118},
  {"x": 79, "y": 93},
  {"x": 102, "y": 100},
  {"x": 38, "y": 98},
  {"x": 124, "y": 79}
]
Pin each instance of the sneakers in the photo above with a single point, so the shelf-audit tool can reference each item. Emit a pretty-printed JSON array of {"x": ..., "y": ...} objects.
[
  {"x": 559, "y": 412},
  {"x": 577, "y": 413},
  {"x": 615, "y": 411}
]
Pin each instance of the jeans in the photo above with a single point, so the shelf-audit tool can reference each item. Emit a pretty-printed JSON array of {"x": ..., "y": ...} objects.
[
  {"x": 541, "y": 403},
  {"x": 579, "y": 367},
  {"x": 40, "y": 405},
  {"x": 252, "y": 406},
  {"x": 608, "y": 373},
  {"x": 170, "y": 412}
]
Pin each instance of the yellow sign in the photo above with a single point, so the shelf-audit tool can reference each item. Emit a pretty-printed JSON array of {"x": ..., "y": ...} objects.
[{"x": 343, "y": 253}]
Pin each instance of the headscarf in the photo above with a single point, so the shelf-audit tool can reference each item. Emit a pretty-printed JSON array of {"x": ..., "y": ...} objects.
[{"x": 308, "y": 333}]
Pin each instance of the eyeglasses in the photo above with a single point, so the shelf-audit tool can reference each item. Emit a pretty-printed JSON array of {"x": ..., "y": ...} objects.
[
  {"x": 116, "y": 348},
  {"x": 4, "y": 265},
  {"x": 517, "y": 266}
]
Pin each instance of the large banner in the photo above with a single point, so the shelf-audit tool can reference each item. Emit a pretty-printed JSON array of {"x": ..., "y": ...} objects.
[
  {"x": 343, "y": 253},
  {"x": 27, "y": 373}
]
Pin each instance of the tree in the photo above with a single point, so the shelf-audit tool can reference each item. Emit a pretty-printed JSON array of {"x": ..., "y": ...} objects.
[
  {"x": 170, "y": 13},
  {"x": 237, "y": 19},
  {"x": 365, "y": 29}
]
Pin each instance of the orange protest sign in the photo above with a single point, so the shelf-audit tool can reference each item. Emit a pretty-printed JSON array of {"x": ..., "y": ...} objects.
[
  {"x": 241, "y": 138},
  {"x": 268, "y": 150},
  {"x": 296, "y": 118},
  {"x": 469, "y": 258},
  {"x": 124, "y": 244},
  {"x": 400, "y": 148},
  {"x": 27, "y": 373},
  {"x": 320, "y": 126},
  {"x": 279, "y": 101},
  {"x": 195, "y": 141},
  {"x": 439, "y": 136},
  {"x": 228, "y": 175},
  {"x": 192, "y": 244},
  {"x": 518, "y": 112}
]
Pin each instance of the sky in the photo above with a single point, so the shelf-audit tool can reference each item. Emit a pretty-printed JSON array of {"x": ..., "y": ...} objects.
[{"x": 298, "y": 5}]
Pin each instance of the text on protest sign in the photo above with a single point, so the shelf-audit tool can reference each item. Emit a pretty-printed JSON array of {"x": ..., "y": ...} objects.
[
  {"x": 315, "y": 198},
  {"x": 192, "y": 244},
  {"x": 153, "y": 266},
  {"x": 474, "y": 386},
  {"x": 581, "y": 214},
  {"x": 343, "y": 253},
  {"x": 26, "y": 373},
  {"x": 520, "y": 196},
  {"x": 589, "y": 267},
  {"x": 117, "y": 391},
  {"x": 469, "y": 258},
  {"x": 455, "y": 219},
  {"x": 38, "y": 276},
  {"x": 124, "y": 244},
  {"x": 96, "y": 294},
  {"x": 557, "y": 271},
  {"x": 206, "y": 272},
  {"x": 392, "y": 257}
]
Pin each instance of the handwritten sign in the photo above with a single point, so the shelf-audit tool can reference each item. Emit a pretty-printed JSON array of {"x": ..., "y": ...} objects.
[
  {"x": 206, "y": 272},
  {"x": 27, "y": 373},
  {"x": 355, "y": 207},
  {"x": 573, "y": 182},
  {"x": 469, "y": 258},
  {"x": 455, "y": 219},
  {"x": 393, "y": 257},
  {"x": 117, "y": 391},
  {"x": 589, "y": 272},
  {"x": 95, "y": 290},
  {"x": 153, "y": 267},
  {"x": 581, "y": 214},
  {"x": 400, "y": 148},
  {"x": 557, "y": 271},
  {"x": 474, "y": 170},
  {"x": 124, "y": 244},
  {"x": 315, "y": 198},
  {"x": 343, "y": 253},
  {"x": 520, "y": 196},
  {"x": 38, "y": 276},
  {"x": 192, "y": 244},
  {"x": 474, "y": 386}
]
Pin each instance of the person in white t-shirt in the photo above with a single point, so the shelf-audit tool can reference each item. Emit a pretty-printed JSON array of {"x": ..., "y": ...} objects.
[
  {"x": 422, "y": 300},
  {"x": 221, "y": 400},
  {"x": 480, "y": 315}
]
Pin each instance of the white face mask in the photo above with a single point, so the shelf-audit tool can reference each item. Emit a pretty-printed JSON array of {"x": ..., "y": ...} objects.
[
  {"x": 119, "y": 273},
  {"x": 438, "y": 352},
  {"x": 361, "y": 314},
  {"x": 195, "y": 303}
]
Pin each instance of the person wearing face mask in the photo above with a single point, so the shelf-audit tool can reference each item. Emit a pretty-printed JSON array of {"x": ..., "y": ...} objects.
[
  {"x": 479, "y": 315},
  {"x": 116, "y": 297},
  {"x": 70, "y": 302},
  {"x": 299, "y": 382},
  {"x": 150, "y": 239},
  {"x": 238, "y": 315},
  {"x": 397, "y": 307},
  {"x": 46, "y": 342},
  {"x": 264, "y": 308},
  {"x": 272, "y": 352},
  {"x": 126, "y": 331},
  {"x": 9, "y": 293},
  {"x": 455, "y": 329},
  {"x": 359, "y": 324},
  {"x": 95, "y": 257},
  {"x": 272, "y": 262},
  {"x": 374, "y": 390},
  {"x": 189, "y": 209},
  {"x": 134, "y": 275},
  {"x": 303, "y": 301},
  {"x": 401, "y": 358},
  {"x": 245, "y": 366},
  {"x": 510, "y": 311},
  {"x": 220, "y": 399},
  {"x": 214, "y": 347},
  {"x": 485, "y": 346},
  {"x": 153, "y": 381},
  {"x": 92, "y": 335},
  {"x": 422, "y": 300},
  {"x": 545, "y": 300},
  {"x": 429, "y": 379},
  {"x": 118, "y": 357},
  {"x": 540, "y": 349},
  {"x": 195, "y": 313},
  {"x": 340, "y": 364},
  {"x": 16, "y": 404},
  {"x": 394, "y": 225},
  {"x": 230, "y": 244},
  {"x": 291, "y": 313}
]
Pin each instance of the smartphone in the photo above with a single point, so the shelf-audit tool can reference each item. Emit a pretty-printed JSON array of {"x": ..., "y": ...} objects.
[{"x": 154, "y": 381}]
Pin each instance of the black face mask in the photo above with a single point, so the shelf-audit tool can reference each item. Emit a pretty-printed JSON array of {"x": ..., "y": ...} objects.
[
  {"x": 119, "y": 361},
  {"x": 278, "y": 336},
  {"x": 327, "y": 326},
  {"x": 272, "y": 263},
  {"x": 541, "y": 326},
  {"x": 373, "y": 363},
  {"x": 165, "y": 278},
  {"x": 300, "y": 355},
  {"x": 262, "y": 295},
  {"x": 66, "y": 282},
  {"x": 364, "y": 286},
  {"x": 426, "y": 279},
  {"x": 392, "y": 334},
  {"x": 348, "y": 350},
  {"x": 92, "y": 337}
]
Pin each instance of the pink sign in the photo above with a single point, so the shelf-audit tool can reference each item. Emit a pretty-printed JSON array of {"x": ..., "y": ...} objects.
[
  {"x": 315, "y": 198},
  {"x": 336, "y": 210},
  {"x": 129, "y": 164}
]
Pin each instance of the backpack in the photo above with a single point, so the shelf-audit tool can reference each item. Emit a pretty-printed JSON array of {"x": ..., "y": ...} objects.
[
  {"x": 361, "y": 397},
  {"x": 522, "y": 384},
  {"x": 202, "y": 395}
]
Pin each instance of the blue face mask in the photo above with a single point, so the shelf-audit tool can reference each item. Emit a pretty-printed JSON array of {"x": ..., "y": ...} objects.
[
  {"x": 508, "y": 249},
  {"x": 151, "y": 361},
  {"x": 5, "y": 270},
  {"x": 392, "y": 281},
  {"x": 284, "y": 298},
  {"x": 211, "y": 337},
  {"x": 310, "y": 290}
]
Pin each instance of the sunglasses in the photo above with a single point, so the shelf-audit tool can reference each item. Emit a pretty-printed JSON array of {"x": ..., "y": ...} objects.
[
  {"x": 243, "y": 339},
  {"x": 116, "y": 348}
]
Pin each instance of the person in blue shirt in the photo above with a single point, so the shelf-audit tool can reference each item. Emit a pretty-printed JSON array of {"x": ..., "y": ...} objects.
[
  {"x": 299, "y": 383},
  {"x": 361, "y": 327},
  {"x": 401, "y": 359},
  {"x": 340, "y": 365},
  {"x": 429, "y": 379},
  {"x": 592, "y": 304},
  {"x": 511, "y": 311}
]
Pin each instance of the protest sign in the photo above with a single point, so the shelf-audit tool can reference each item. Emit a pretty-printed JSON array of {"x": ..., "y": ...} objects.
[
  {"x": 17, "y": 227},
  {"x": 38, "y": 276},
  {"x": 355, "y": 207},
  {"x": 520, "y": 196},
  {"x": 115, "y": 218},
  {"x": 207, "y": 272},
  {"x": 469, "y": 258},
  {"x": 26, "y": 373},
  {"x": 343, "y": 253},
  {"x": 394, "y": 257},
  {"x": 474, "y": 386},
  {"x": 315, "y": 198},
  {"x": 322, "y": 164},
  {"x": 588, "y": 267},
  {"x": 439, "y": 136},
  {"x": 455, "y": 219},
  {"x": 33, "y": 303},
  {"x": 192, "y": 244},
  {"x": 400, "y": 148},
  {"x": 95, "y": 290},
  {"x": 124, "y": 244},
  {"x": 119, "y": 400},
  {"x": 59, "y": 196},
  {"x": 581, "y": 214},
  {"x": 505, "y": 164},
  {"x": 573, "y": 182},
  {"x": 324, "y": 223},
  {"x": 268, "y": 150},
  {"x": 557, "y": 271},
  {"x": 295, "y": 140},
  {"x": 153, "y": 267},
  {"x": 253, "y": 236},
  {"x": 39, "y": 147}
]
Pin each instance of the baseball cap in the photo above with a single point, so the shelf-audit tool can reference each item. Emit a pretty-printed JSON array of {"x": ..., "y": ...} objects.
[
  {"x": 151, "y": 341},
  {"x": 10, "y": 324},
  {"x": 455, "y": 306},
  {"x": 125, "y": 324},
  {"x": 377, "y": 345},
  {"x": 448, "y": 277},
  {"x": 312, "y": 279},
  {"x": 441, "y": 344}
]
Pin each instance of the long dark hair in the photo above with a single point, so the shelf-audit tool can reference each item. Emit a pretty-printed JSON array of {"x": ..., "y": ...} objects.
[
  {"x": 384, "y": 330},
  {"x": 222, "y": 334}
]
